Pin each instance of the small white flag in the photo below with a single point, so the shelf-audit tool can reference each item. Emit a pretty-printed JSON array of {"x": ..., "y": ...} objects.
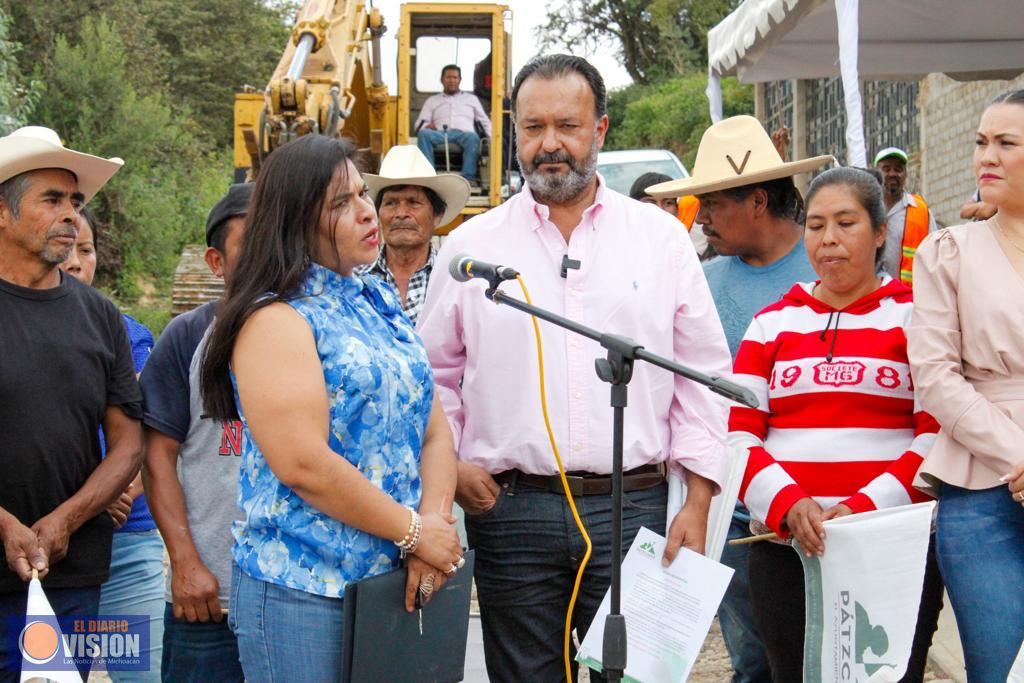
[
  {"x": 41, "y": 641},
  {"x": 1017, "y": 670},
  {"x": 864, "y": 593}
]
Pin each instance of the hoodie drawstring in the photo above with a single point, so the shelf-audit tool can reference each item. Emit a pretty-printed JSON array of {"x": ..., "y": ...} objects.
[
  {"x": 835, "y": 334},
  {"x": 827, "y": 325}
]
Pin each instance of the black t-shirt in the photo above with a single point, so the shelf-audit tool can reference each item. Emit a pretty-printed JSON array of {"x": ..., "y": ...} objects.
[{"x": 64, "y": 358}]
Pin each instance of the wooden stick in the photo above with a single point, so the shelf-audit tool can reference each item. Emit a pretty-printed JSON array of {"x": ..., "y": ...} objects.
[{"x": 754, "y": 539}]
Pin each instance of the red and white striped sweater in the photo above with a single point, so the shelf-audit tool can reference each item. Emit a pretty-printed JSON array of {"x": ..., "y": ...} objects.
[{"x": 838, "y": 419}]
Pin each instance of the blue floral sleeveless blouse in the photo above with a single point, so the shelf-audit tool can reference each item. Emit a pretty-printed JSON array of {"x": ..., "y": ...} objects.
[{"x": 380, "y": 387}]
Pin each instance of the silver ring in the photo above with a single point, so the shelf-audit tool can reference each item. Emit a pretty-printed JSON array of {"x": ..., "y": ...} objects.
[
  {"x": 461, "y": 563},
  {"x": 451, "y": 570}
]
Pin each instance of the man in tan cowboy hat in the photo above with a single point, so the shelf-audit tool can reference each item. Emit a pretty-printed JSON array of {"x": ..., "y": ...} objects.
[
  {"x": 749, "y": 208},
  {"x": 412, "y": 201},
  {"x": 67, "y": 371}
]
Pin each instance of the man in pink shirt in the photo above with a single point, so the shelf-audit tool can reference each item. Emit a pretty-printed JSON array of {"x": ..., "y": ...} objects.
[
  {"x": 453, "y": 112},
  {"x": 607, "y": 261}
]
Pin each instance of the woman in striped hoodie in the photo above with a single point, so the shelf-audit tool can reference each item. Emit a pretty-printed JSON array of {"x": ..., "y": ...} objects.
[{"x": 838, "y": 430}]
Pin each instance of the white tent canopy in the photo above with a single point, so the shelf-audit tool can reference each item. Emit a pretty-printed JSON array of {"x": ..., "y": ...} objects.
[{"x": 766, "y": 40}]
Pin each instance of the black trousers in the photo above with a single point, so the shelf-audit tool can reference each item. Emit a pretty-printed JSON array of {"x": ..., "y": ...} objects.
[{"x": 777, "y": 596}]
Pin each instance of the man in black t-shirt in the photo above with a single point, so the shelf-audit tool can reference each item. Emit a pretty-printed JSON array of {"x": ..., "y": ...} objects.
[{"x": 65, "y": 370}]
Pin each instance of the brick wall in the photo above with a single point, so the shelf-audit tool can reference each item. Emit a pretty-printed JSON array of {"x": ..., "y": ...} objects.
[{"x": 949, "y": 117}]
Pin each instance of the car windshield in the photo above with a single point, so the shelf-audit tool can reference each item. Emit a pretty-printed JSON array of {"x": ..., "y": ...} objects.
[{"x": 620, "y": 176}]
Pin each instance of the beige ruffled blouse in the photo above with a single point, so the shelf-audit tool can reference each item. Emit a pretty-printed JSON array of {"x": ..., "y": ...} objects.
[{"x": 966, "y": 348}]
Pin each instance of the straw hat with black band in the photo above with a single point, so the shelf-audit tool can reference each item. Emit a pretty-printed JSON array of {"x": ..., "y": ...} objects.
[
  {"x": 406, "y": 165},
  {"x": 735, "y": 152},
  {"x": 33, "y": 148}
]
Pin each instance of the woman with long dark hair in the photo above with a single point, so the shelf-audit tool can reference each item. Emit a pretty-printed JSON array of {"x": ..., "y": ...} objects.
[
  {"x": 967, "y": 354},
  {"x": 347, "y": 460}
]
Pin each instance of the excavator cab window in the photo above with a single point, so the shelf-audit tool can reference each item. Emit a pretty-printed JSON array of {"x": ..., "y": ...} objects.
[{"x": 475, "y": 37}]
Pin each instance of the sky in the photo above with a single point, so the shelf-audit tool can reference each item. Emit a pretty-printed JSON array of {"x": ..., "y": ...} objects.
[{"x": 526, "y": 16}]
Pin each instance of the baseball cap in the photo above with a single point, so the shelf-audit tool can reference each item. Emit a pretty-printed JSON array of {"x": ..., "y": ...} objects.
[
  {"x": 891, "y": 152},
  {"x": 234, "y": 203}
]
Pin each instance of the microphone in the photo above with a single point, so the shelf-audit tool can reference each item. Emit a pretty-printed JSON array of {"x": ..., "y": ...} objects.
[{"x": 463, "y": 268}]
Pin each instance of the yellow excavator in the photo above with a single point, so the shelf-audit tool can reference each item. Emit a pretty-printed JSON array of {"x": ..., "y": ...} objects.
[{"x": 329, "y": 81}]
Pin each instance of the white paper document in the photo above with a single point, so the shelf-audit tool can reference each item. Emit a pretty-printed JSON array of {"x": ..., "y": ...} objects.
[{"x": 668, "y": 611}]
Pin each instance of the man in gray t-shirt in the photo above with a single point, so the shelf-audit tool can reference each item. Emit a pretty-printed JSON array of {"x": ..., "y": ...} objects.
[{"x": 191, "y": 476}]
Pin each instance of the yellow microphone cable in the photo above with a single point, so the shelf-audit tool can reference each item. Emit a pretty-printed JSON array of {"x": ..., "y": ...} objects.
[{"x": 565, "y": 487}]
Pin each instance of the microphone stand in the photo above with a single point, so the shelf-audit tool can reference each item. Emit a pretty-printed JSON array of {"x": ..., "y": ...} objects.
[{"x": 617, "y": 370}]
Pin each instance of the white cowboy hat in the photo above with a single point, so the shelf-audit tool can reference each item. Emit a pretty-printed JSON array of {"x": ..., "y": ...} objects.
[
  {"x": 406, "y": 165},
  {"x": 733, "y": 153},
  {"x": 32, "y": 148}
]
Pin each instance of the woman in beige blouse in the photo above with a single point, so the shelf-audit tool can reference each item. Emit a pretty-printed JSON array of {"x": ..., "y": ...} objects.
[{"x": 966, "y": 347}]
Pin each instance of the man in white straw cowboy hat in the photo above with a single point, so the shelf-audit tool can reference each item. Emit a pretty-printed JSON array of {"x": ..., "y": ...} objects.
[
  {"x": 412, "y": 201},
  {"x": 67, "y": 370},
  {"x": 749, "y": 208}
]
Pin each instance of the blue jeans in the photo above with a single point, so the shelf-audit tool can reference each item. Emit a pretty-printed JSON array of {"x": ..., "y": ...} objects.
[
  {"x": 528, "y": 550},
  {"x": 736, "y": 614},
  {"x": 980, "y": 539},
  {"x": 198, "y": 652},
  {"x": 136, "y": 587},
  {"x": 468, "y": 140},
  {"x": 64, "y": 601},
  {"x": 285, "y": 634}
]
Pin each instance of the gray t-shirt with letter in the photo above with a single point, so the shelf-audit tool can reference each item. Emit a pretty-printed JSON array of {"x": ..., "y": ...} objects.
[{"x": 210, "y": 450}]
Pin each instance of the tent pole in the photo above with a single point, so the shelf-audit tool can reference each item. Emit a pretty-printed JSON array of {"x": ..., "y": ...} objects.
[{"x": 847, "y": 16}]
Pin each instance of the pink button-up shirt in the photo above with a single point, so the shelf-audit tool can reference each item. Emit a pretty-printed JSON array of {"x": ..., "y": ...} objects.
[{"x": 639, "y": 276}]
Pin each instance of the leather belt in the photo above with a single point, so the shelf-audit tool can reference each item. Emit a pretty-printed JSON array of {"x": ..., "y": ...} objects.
[{"x": 586, "y": 484}]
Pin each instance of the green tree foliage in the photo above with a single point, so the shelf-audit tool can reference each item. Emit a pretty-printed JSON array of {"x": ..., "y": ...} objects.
[
  {"x": 656, "y": 39},
  {"x": 150, "y": 81},
  {"x": 199, "y": 52},
  {"x": 158, "y": 201},
  {"x": 213, "y": 48},
  {"x": 672, "y": 114},
  {"x": 17, "y": 94}
]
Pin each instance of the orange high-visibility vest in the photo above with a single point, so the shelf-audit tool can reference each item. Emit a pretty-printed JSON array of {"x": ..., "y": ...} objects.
[
  {"x": 689, "y": 205},
  {"x": 915, "y": 229}
]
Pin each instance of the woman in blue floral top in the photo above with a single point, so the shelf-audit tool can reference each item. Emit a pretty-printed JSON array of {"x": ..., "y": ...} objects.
[{"x": 346, "y": 439}]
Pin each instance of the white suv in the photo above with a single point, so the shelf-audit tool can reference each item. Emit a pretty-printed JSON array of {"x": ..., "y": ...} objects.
[{"x": 622, "y": 167}]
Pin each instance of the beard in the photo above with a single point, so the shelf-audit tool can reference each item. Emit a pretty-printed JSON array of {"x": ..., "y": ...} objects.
[
  {"x": 56, "y": 255},
  {"x": 559, "y": 187}
]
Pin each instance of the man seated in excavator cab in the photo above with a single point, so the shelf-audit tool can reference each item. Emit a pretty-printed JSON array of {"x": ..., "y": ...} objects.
[{"x": 447, "y": 119}]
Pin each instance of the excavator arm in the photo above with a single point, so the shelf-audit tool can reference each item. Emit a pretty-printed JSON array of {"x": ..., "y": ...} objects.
[{"x": 326, "y": 82}]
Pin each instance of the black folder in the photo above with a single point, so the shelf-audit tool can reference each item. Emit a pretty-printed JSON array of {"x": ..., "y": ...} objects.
[{"x": 383, "y": 641}]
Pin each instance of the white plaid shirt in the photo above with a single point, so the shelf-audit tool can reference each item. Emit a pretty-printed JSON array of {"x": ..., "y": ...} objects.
[{"x": 417, "y": 291}]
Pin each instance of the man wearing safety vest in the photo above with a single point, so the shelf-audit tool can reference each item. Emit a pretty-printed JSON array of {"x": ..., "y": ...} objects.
[{"x": 909, "y": 218}]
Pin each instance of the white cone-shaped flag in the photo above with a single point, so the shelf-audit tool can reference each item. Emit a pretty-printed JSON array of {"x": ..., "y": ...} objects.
[{"x": 41, "y": 641}]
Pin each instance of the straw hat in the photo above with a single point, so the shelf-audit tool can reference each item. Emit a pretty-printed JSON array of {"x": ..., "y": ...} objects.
[
  {"x": 33, "y": 148},
  {"x": 406, "y": 165},
  {"x": 733, "y": 153}
]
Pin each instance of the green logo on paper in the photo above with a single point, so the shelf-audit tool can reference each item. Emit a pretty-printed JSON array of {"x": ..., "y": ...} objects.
[{"x": 648, "y": 547}]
